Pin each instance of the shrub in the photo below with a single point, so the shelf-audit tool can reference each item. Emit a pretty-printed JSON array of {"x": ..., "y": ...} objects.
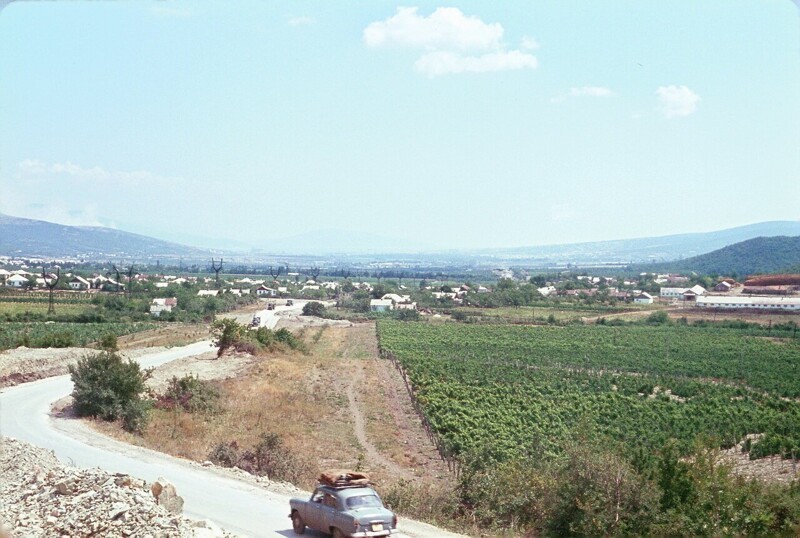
[
  {"x": 107, "y": 387},
  {"x": 314, "y": 308},
  {"x": 109, "y": 342},
  {"x": 225, "y": 454},
  {"x": 658, "y": 318},
  {"x": 226, "y": 332},
  {"x": 57, "y": 339},
  {"x": 191, "y": 394},
  {"x": 268, "y": 457},
  {"x": 406, "y": 315}
]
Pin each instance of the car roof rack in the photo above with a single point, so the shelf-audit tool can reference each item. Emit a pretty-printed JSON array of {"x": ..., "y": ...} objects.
[{"x": 343, "y": 478}]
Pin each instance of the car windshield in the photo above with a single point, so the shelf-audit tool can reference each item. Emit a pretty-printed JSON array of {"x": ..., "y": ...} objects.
[{"x": 362, "y": 501}]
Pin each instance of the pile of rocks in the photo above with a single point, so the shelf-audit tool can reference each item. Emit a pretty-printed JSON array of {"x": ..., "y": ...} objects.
[{"x": 41, "y": 497}]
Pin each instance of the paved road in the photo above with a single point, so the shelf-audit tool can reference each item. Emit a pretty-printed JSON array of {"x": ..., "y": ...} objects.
[
  {"x": 232, "y": 504},
  {"x": 270, "y": 318}
]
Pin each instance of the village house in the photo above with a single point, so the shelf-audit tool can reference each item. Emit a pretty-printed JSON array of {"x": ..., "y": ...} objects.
[
  {"x": 16, "y": 281},
  {"x": 162, "y": 305},
  {"x": 400, "y": 302},
  {"x": 723, "y": 286},
  {"x": 207, "y": 293},
  {"x": 643, "y": 298},
  {"x": 264, "y": 291},
  {"x": 78, "y": 283},
  {"x": 381, "y": 305}
]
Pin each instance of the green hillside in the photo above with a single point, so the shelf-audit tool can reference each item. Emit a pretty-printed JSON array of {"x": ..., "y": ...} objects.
[{"x": 754, "y": 256}]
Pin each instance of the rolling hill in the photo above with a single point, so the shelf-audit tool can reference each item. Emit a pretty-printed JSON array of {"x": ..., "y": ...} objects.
[
  {"x": 28, "y": 237},
  {"x": 646, "y": 249},
  {"x": 754, "y": 256}
]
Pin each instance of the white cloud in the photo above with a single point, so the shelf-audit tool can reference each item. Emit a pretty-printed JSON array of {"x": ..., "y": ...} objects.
[
  {"x": 528, "y": 43},
  {"x": 447, "y": 28},
  {"x": 676, "y": 101},
  {"x": 442, "y": 63},
  {"x": 35, "y": 170},
  {"x": 591, "y": 91},
  {"x": 300, "y": 21},
  {"x": 70, "y": 193},
  {"x": 452, "y": 42}
]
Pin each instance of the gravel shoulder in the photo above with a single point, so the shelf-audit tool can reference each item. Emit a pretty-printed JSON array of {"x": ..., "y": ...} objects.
[{"x": 24, "y": 364}]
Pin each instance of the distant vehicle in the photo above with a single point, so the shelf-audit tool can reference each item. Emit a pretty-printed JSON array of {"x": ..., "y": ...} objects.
[
  {"x": 256, "y": 321},
  {"x": 343, "y": 507},
  {"x": 289, "y": 302},
  {"x": 271, "y": 305}
]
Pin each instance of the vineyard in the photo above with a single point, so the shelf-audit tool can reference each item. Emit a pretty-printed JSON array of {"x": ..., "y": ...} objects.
[
  {"x": 506, "y": 391},
  {"x": 47, "y": 334}
]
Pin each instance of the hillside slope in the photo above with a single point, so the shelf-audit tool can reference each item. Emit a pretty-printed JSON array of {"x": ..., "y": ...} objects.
[
  {"x": 754, "y": 256},
  {"x": 647, "y": 249},
  {"x": 28, "y": 237}
]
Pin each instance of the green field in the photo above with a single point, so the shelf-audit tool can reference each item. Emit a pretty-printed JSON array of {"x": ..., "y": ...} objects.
[
  {"x": 52, "y": 334},
  {"x": 17, "y": 307},
  {"x": 516, "y": 390}
]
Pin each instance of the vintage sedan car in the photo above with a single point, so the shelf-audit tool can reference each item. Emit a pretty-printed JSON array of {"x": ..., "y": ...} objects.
[{"x": 354, "y": 511}]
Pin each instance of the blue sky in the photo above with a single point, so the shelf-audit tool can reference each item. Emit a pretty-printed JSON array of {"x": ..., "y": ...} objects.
[{"x": 469, "y": 124}]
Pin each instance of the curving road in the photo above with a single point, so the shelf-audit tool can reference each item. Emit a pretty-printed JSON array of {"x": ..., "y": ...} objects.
[{"x": 232, "y": 504}]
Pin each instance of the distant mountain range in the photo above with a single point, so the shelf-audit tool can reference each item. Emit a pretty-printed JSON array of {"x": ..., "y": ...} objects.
[
  {"x": 754, "y": 256},
  {"x": 28, "y": 237},
  {"x": 645, "y": 249}
]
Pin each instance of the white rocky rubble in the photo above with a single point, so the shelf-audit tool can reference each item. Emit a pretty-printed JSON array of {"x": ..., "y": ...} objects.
[{"x": 41, "y": 497}]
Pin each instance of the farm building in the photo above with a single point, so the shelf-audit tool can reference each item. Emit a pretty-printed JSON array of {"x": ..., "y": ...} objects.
[
  {"x": 381, "y": 305},
  {"x": 682, "y": 294},
  {"x": 79, "y": 283},
  {"x": 16, "y": 281},
  {"x": 643, "y": 298},
  {"x": 263, "y": 291},
  {"x": 748, "y": 302}
]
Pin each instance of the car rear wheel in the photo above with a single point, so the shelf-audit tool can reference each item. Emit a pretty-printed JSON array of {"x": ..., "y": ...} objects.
[
  {"x": 337, "y": 533},
  {"x": 298, "y": 524}
]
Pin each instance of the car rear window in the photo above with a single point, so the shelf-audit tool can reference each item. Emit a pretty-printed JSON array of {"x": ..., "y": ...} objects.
[{"x": 360, "y": 501}]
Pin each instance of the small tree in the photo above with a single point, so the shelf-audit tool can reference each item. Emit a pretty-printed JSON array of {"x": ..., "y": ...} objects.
[
  {"x": 227, "y": 332},
  {"x": 314, "y": 308},
  {"x": 107, "y": 387}
]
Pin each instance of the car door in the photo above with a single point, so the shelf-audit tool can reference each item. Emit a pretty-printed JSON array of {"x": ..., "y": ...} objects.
[{"x": 313, "y": 516}]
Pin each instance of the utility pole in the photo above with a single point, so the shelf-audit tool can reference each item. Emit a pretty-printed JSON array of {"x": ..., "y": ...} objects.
[
  {"x": 51, "y": 285},
  {"x": 216, "y": 269}
]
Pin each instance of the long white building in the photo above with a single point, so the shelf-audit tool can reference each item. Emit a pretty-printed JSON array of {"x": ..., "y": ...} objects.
[{"x": 752, "y": 302}]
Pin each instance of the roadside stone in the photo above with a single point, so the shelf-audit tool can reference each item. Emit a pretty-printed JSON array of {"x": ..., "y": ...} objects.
[
  {"x": 167, "y": 496},
  {"x": 42, "y": 498}
]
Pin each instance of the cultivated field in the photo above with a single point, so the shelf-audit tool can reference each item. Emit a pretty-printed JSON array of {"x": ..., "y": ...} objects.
[{"x": 507, "y": 391}]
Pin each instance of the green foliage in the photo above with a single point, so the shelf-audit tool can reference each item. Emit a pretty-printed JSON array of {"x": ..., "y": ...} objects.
[
  {"x": 226, "y": 332},
  {"x": 42, "y": 334},
  {"x": 659, "y": 317},
  {"x": 512, "y": 384},
  {"x": 314, "y": 308},
  {"x": 754, "y": 256},
  {"x": 189, "y": 393},
  {"x": 108, "y": 342},
  {"x": 268, "y": 457},
  {"x": 405, "y": 314},
  {"x": 109, "y": 388}
]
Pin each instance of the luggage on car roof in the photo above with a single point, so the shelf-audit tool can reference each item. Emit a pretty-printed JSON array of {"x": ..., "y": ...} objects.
[{"x": 343, "y": 477}]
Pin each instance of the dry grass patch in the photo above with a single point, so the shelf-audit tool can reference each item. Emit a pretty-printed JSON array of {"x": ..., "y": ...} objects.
[{"x": 303, "y": 399}]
